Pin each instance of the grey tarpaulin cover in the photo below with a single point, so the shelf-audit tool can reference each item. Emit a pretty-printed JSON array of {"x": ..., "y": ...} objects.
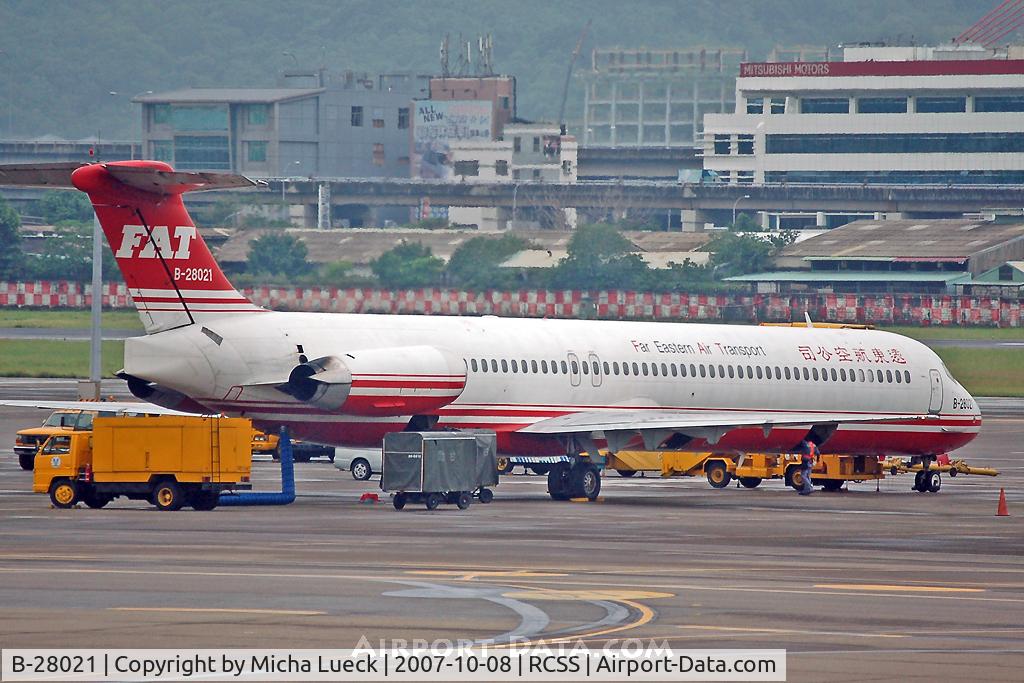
[{"x": 438, "y": 461}]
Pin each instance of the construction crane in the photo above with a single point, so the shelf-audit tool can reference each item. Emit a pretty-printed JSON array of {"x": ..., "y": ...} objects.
[
  {"x": 568, "y": 75},
  {"x": 995, "y": 25}
]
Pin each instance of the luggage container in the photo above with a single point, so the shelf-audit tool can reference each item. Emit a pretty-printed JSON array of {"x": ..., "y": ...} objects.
[{"x": 439, "y": 467}]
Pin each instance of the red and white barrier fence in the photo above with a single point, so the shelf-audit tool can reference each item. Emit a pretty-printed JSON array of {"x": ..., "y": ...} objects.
[{"x": 878, "y": 309}]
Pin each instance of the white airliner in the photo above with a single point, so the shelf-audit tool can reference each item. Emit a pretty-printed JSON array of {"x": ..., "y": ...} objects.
[{"x": 547, "y": 387}]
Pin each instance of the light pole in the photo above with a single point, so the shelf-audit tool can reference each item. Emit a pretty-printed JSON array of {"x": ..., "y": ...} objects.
[
  {"x": 10, "y": 98},
  {"x": 734, "y": 205}
]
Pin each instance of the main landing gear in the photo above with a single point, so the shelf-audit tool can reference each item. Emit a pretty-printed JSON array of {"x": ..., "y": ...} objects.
[
  {"x": 927, "y": 481},
  {"x": 579, "y": 479}
]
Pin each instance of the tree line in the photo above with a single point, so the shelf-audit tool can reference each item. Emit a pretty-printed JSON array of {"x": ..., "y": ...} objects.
[{"x": 598, "y": 257}]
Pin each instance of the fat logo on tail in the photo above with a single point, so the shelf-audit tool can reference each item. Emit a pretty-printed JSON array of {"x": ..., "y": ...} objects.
[{"x": 172, "y": 277}]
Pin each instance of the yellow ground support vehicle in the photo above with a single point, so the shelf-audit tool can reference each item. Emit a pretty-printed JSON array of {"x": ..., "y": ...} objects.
[
  {"x": 718, "y": 469},
  {"x": 830, "y": 472},
  {"x": 28, "y": 441},
  {"x": 170, "y": 461}
]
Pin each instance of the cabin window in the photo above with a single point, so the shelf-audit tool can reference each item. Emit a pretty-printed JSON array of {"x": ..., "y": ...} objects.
[
  {"x": 787, "y": 372},
  {"x": 739, "y": 371},
  {"x": 888, "y": 376},
  {"x": 711, "y": 371},
  {"x": 625, "y": 368},
  {"x": 824, "y": 374},
  {"x": 643, "y": 366},
  {"x": 575, "y": 367},
  {"x": 731, "y": 372},
  {"x": 881, "y": 377},
  {"x": 860, "y": 376},
  {"x": 586, "y": 368},
  {"x": 674, "y": 369},
  {"x": 899, "y": 377},
  {"x": 515, "y": 365},
  {"x": 703, "y": 371},
  {"x": 842, "y": 374},
  {"x": 636, "y": 370},
  {"x": 682, "y": 369},
  {"x": 472, "y": 364},
  {"x": 494, "y": 365},
  {"x": 544, "y": 366},
  {"x": 654, "y": 369},
  {"x": 760, "y": 373},
  {"x": 835, "y": 375},
  {"x": 615, "y": 367},
  {"x": 778, "y": 372},
  {"x": 565, "y": 368},
  {"x": 596, "y": 368},
  {"x": 533, "y": 366},
  {"x": 814, "y": 374},
  {"x": 504, "y": 365},
  {"x": 750, "y": 372},
  {"x": 664, "y": 370},
  {"x": 906, "y": 376},
  {"x": 721, "y": 371},
  {"x": 607, "y": 368},
  {"x": 693, "y": 370}
]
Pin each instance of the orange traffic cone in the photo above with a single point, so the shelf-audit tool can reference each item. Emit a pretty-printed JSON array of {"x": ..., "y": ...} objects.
[{"x": 1001, "y": 510}]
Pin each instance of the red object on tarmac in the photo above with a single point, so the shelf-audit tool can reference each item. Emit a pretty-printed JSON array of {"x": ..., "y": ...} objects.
[
  {"x": 942, "y": 459},
  {"x": 1001, "y": 510},
  {"x": 369, "y": 498}
]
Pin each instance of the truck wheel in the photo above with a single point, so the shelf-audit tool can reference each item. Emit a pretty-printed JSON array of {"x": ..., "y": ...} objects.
[
  {"x": 750, "y": 482},
  {"x": 464, "y": 500},
  {"x": 64, "y": 493},
  {"x": 398, "y": 501},
  {"x": 486, "y": 496},
  {"x": 540, "y": 469},
  {"x": 626, "y": 473},
  {"x": 793, "y": 478},
  {"x": 27, "y": 461},
  {"x": 718, "y": 476},
  {"x": 204, "y": 500},
  {"x": 558, "y": 481},
  {"x": 361, "y": 469},
  {"x": 505, "y": 466},
  {"x": 167, "y": 495},
  {"x": 933, "y": 482},
  {"x": 832, "y": 484},
  {"x": 433, "y": 500}
]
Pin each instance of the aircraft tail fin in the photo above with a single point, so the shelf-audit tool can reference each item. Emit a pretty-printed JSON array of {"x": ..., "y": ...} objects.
[{"x": 172, "y": 277}]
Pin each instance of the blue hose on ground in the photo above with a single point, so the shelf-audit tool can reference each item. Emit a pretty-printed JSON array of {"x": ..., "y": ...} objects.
[{"x": 287, "y": 494}]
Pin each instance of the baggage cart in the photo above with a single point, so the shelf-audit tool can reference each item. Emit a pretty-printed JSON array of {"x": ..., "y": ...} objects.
[{"x": 439, "y": 467}]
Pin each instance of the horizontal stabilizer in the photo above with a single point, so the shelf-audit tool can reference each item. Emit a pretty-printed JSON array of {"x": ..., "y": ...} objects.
[
  {"x": 118, "y": 407},
  {"x": 148, "y": 179}
]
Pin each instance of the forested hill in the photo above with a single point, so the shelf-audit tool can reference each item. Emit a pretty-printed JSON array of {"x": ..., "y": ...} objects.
[{"x": 61, "y": 60}]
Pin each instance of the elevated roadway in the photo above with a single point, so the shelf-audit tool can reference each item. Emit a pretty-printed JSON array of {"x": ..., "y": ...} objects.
[{"x": 907, "y": 199}]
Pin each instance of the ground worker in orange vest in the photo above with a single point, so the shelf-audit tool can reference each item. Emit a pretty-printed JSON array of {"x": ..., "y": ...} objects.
[{"x": 808, "y": 456}]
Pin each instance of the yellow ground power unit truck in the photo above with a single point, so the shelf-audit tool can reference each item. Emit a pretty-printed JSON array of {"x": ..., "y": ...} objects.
[{"x": 170, "y": 461}]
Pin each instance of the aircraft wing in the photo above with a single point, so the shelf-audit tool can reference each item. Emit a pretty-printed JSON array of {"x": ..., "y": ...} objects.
[
  {"x": 654, "y": 426},
  {"x": 119, "y": 407}
]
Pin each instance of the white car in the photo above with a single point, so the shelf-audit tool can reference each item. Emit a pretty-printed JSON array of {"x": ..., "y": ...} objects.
[{"x": 362, "y": 462}]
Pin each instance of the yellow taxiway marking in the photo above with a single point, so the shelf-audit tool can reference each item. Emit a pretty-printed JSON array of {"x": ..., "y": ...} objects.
[
  {"x": 788, "y": 631},
  {"x": 884, "y": 587},
  {"x": 579, "y": 594},
  {"x": 218, "y": 610},
  {"x": 468, "y": 574}
]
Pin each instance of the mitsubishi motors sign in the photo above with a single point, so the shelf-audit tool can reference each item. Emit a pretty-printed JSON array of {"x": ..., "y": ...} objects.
[{"x": 957, "y": 67}]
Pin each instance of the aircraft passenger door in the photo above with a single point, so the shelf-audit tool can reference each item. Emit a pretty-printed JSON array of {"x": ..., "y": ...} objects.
[
  {"x": 595, "y": 369},
  {"x": 935, "y": 402},
  {"x": 574, "y": 369}
]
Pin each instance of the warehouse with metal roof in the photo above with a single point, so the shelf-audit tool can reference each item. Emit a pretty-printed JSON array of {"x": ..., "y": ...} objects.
[{"x": 924, "y": 256}]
